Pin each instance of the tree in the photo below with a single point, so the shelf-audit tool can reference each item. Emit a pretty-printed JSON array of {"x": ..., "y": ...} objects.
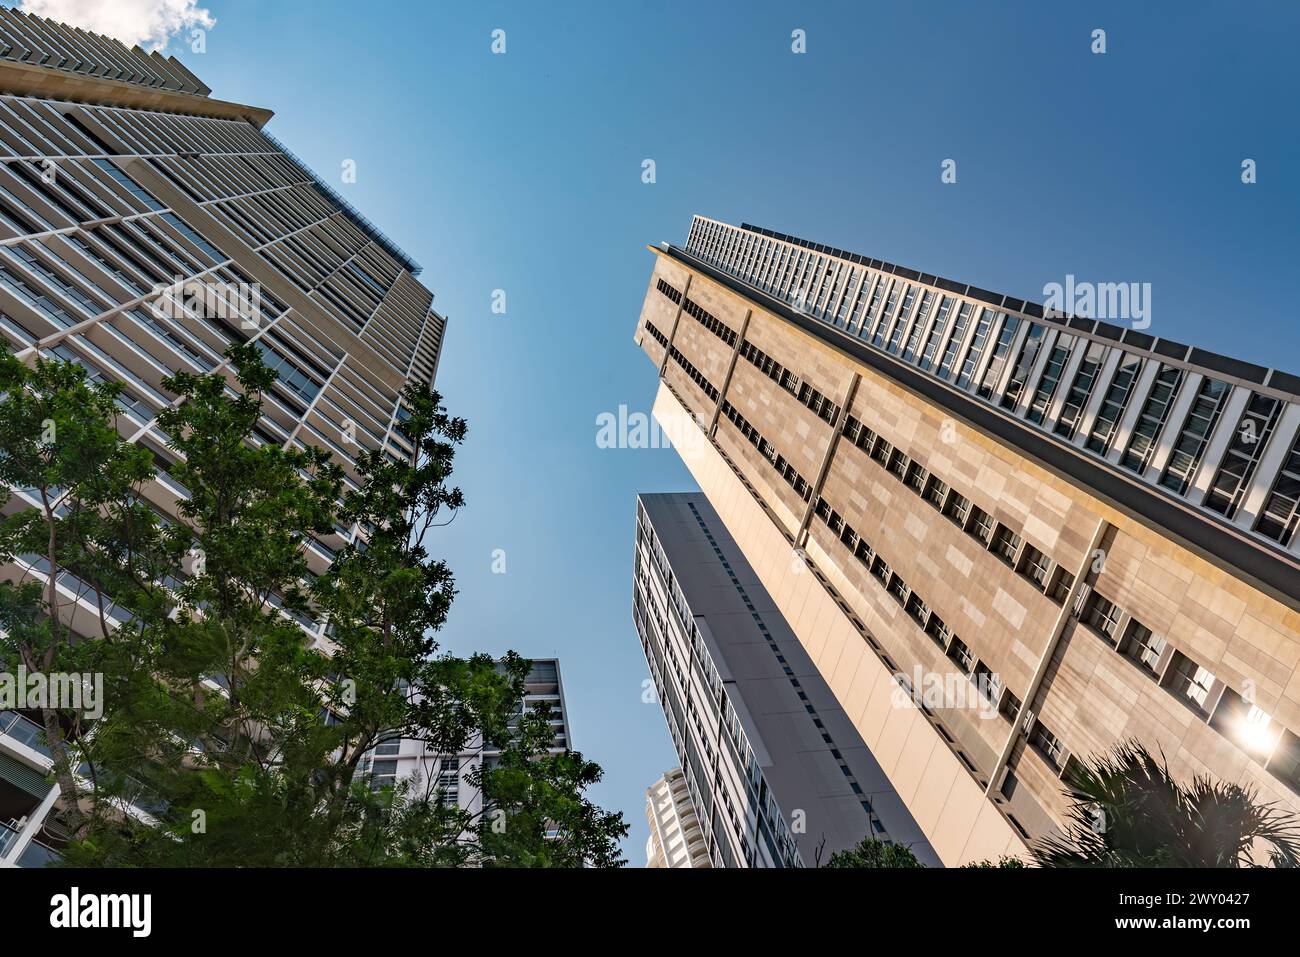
[
  {"x": 870, "y": 852},
  {"x": 1005, "y": 862},
  {"x": 243, "y": 739},
  {"x": 82, "y": 523},
  {"x": 1129, "y": 811}
]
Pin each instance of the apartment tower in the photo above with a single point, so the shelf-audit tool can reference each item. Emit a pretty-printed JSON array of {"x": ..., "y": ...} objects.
[
  {"x": 1091, "y": 525},
  {"x": 449, "y": 776},
  {"x": 676, "y": 839},
  {"x": 120, "y": 177},
  {"x": 776, "y": 773}
]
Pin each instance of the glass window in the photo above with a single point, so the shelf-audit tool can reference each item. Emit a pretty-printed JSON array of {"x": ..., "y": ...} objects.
[
  {"x": 1023, "y": 366},
  {"x": 973, "y": 355},
  {"x": 1001, "y": 347},
  {"x": 1142, "y": 646},
  {"x": 1113, "y": 405},
  {"x": 1050, "y": 378},
  {"x": 1191, "y": 442},
  {"x": 1237, "y": 467},
  {"x": 1102, "y": 614},
  {"x": 1080, "y": 391},
  {"x": 1152, "y": 418},
  {"x": 1278, "y": 518},
  {"x": 1190, "y": 681}
]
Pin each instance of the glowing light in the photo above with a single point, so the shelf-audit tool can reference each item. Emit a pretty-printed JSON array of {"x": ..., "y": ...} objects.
[{"x": 1254, "y": 731}]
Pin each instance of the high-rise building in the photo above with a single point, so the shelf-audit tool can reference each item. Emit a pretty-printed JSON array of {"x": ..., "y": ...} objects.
[
  {"x": 776, "y": 772},
  {"x": 676, "y": 838},
  {"x": 120, "y": 179},
  {"x": 1093, "y": 524},
  {"x": 431, "y": 773}
]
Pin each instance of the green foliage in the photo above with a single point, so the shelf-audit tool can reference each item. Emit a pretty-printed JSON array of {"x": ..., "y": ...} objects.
[
  {"x": 1005, "y": 862},
  {"x": 1129, "y": 811},
  {"x": 870, "y": 852},
  {"x": 243, "y": 739}
]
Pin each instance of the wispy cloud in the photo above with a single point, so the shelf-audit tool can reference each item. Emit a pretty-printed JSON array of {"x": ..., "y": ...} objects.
[{"x": 149, "y": 23}]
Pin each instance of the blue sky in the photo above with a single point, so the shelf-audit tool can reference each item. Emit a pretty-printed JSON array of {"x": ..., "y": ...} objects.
[{"x": 522, "y": 172}]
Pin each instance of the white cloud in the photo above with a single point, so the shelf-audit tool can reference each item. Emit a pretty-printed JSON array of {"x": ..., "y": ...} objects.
[{"x": 149, "y": 23}]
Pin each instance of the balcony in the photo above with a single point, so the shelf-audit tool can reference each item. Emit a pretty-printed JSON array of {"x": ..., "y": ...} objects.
[
  {"x": 8, "y": 834},
  {"x": 25, "y": 731}
]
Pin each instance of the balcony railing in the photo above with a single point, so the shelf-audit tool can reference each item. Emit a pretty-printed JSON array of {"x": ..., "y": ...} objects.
[
  {"x": 25, "y": 731},
  {"x": 7, "y": 837},
  {"x": 38, "y": 855}
]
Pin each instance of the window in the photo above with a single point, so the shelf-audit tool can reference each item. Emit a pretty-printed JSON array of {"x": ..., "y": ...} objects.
[
  {"x": 1152, "y": 418},
  {"x": 128, "y": 184},
  {"x": 1102, "y": 614},
  {"x": 1278, "y": 518},
  {"x": 957, "y": 509},
  {"x": 898, "y": 588},
  {"x": 1048, "y": 745},
  {"x": 880, "y": 568},
  {"x": 898, "y": 465},
  {"x": 961, "y": 655},
  {"x": 918, "y": 327},
  {"x": 1005, "y": 544},
  {"x": 449, "y": 780},
  {"x": 937, "y": 630},
  {"x": 1010, "y": 706},
  {"x": 916, "y": 477},
  {"x": 978, "y": 339},
  {"x": 1191, "y": 442},
  {"x": 1142, "y": 646},
  {"x": 1050, "y": 378},
  {"x": 383, "y": 774},
  {"x": 901, "y": 323},
  {"x": 998, "y": 359},
  {"x": 917, "y": 608},
  {"x": 1034, "y": 565},
  {"x": 1285, "y": 762},
  {"x": 1190, "y": 681},
  {"x": 879, "y": 337},
  {"x": 1062, "y": 582},
  {"x": 1237, "y": 467},
  {"x": 926, "y": 358},
  {"x": 954, "y": 341},
  {"x": 935, "y": 492},
  {"x": 1080, "y": 391},
  {"x": 981, "y": 525},
  {"x": 987, "y": 682},
  {"x": 864, "y": 438},
  {"x": 1024, "y": 365},
  {"x": 882, "y": 451},
  {"x": 389, "y": 745},
  {"x": 1113, "y": 405}
]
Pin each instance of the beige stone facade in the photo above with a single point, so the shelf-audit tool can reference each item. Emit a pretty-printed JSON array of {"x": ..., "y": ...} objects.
[{"x": 1088, "y": 622}]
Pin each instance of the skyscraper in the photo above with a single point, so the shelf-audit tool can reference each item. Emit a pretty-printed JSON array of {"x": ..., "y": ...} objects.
[
  {"x": 676, "y": 839},
  {"x": 410, "y": 759},
  {"x": 145, "y": 226},
  {"x": 1093, "y": 524},
  {"x": 776, "y": 773}
]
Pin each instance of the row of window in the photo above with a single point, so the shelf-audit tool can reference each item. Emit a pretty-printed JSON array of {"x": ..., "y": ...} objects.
[
  {"x": 1232, "y": 714},
  {"x": 696, "y": 375},
  {"x": 765, "y": 448},
  {"x": 821, "y": 405},
  {"x": 995, "y": 536},
  {"x": 701, "y": 315}
]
